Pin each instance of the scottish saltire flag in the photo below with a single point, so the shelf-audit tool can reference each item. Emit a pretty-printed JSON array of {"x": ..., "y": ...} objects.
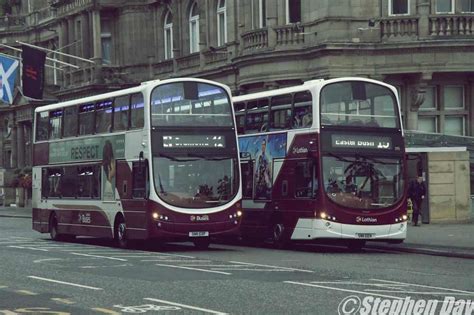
[{"x": 8, "y": 70}]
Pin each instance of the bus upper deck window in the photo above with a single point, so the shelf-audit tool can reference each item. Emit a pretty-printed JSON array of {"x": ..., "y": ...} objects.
[
  {"x": 137, "y": 111},
  {"x": 103, "y": 116},
  {"x": 121, "y": 112},
  {"x": 42, "y": 126},
  {"x": 86, "y": 119}
]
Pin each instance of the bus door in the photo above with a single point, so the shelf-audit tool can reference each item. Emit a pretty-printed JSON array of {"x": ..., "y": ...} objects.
[
  {"x": 295, "y": 189},
  {"x": 133, "y": 190}
]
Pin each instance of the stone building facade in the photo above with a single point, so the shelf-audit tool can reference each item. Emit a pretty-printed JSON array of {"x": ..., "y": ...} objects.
[{"x": 423, "y": 47}]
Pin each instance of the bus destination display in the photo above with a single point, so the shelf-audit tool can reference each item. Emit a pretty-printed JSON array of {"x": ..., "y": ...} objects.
[
  {"x": 194, "y": 141},
  {"x": 359, "y": 142}
]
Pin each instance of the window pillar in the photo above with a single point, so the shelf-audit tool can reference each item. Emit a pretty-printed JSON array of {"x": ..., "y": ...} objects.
[
  {"x": 423, "y": 22},
  {"x": 417, "y": 97}
]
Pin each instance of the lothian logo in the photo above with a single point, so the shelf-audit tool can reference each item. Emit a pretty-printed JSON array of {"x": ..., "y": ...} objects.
[{"x": 366, "y": 220}]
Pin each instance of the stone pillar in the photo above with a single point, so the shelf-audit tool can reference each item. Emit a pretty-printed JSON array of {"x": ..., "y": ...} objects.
[
  {"x": 20, "y": 145},
  {"x": 424, "y": 20},
  {"x": 416, "y": 99},
  {"x": 96, "y": 40},
  {"x": 13, "y": 137},
  {"x": 272, "y": 21}
]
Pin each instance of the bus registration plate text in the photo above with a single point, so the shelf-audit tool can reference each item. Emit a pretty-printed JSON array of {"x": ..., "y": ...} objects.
[
  {"x": 199, "y": 234},
  {"x": 365, "y": 235}
]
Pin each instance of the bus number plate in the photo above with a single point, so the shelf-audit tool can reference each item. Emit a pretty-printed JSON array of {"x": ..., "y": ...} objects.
[
  {"x": 365, "y": 235},
  {"x": 199, "y": 234}
]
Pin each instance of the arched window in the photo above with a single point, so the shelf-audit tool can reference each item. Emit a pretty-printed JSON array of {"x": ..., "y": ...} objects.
[
  {"x": 168, "y": 35},
  {"x": 194, "y": 28},
  {"x": 221, "y": 23}
]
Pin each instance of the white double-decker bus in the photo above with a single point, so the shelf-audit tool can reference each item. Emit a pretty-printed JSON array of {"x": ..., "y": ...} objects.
[
  {"x": 323, "y": 161},
  {"x": 156, "y": 161}
]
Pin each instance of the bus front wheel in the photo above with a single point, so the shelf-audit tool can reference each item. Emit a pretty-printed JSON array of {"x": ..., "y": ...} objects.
[
  {"x": 120, "y": 233},
  {"x": 279, "y": 238},
  {"x": 53, "y": 228}
]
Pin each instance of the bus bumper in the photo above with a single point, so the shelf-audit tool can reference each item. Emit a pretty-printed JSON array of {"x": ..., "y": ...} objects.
[{"x": 307, "y": 229}]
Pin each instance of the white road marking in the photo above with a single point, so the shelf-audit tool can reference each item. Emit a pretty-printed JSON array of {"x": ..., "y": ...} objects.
[
  {"x": 423, "y": 286},
  {"x": 270, "y": 266},
  {"x": 31, "y": 248},
  {"x": 66, "y": 283},
  {"x": 167, "y": 260},
  {"x": 186, "y": 306},
  {"x": 195, "y": 269},
  {"x": 342, "y": 290},
  {"x": 418, "y": 292},
  {"x": 46, "y": 259},
  {"x": 97, "y": 256}
]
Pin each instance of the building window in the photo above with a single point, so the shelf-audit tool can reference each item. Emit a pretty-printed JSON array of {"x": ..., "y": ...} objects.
[
  {"x": 453, "y": 97},
  {"x": 430, "y": 99},
  {"x": 454, "y": 125},
  {"x": 106, "y": 41},
  {"x": 79, "y": 38},
  {"x": 194, "y": 29},
  {"x": 168, "y": 34},
  {"x": 467, "y": 5},
  {"x": 398, "y": 7},
  {"x": 293, "y": 11},
  {"x": 221, "y": 23},
  {"x": 444, "y": 6},
  {"x": 428, "y": 124},
  {"x": 262, "y": 13}
]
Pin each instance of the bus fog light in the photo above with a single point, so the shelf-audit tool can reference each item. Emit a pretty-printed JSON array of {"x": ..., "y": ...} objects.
[
  {"x": 166, "y": 218},
  {"x": 236, "y": 222},
  {"x": 230, "y": 216},
  {"x": 396, "y": 219}
]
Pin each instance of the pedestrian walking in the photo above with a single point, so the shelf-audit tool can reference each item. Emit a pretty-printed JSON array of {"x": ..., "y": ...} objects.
[{"x": 416, "y": 192}]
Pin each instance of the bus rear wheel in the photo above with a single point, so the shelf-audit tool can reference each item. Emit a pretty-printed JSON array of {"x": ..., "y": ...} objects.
[
  {"x": 202, "y": 243},
  {"x": 120, "y": 233},
  {"x": 53, "y": 228}
]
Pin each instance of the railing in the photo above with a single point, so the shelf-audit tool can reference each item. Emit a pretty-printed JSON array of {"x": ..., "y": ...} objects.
[
  {"x": 46, "y": 14},
  {"x": 163, "y": 67},
  {"x": 399, "y": 27},
  {"x": 446, "y": 25},
  {"x": 289, "y": 35},
  {"x": 216, "y": 55},
  {"x": 254, "y": 40},
  {"x": 189, "y": 61},
  {"x": 12, "y": 21}
]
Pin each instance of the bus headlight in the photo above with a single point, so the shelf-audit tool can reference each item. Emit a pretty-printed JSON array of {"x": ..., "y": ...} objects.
[
  {"x": 323, "y": 215},
  {"x": 404, "y": 217},
  {"x": 239, "y": 214},
  {"x": 155, "y": 215}
]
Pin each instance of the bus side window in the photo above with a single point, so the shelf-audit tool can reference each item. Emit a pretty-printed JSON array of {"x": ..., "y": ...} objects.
[
  {"x": 55, "y": 122},
  {"x": 121, "y": 111},
  {"x": 280, "y": 112},
  {"x": 239, "y": 109},
  {"x": 42, "y": 126},
  {"x": 103, "y": 116},
  {"x": 86, "y": 119},
  {"x": 306, "y": 179},
  {"x": 44, "y": 183},
  {"x": 137, "y": 111},
  {"x": 303, "y": 110},
  {"x": 70, "y": 121},
  {"x": 257, "y": 116},
  {"x": 140, "y": 181}
]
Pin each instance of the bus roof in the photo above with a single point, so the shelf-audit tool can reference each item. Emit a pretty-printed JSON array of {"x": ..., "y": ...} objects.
[
  {"x": 136, "y": 89},
  {"x": 303, "y": 87}
]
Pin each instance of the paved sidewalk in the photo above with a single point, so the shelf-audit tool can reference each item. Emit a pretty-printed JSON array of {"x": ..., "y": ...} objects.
[{"x": 451, "y": 240}]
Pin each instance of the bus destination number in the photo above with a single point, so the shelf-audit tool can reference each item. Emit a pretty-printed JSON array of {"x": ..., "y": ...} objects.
[{"x": 199, "y": 234}]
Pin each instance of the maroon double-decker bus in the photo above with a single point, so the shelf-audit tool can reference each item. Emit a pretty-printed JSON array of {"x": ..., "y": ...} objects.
[
  {"x": 323, "y": 161},
  {"x": 156, "y": 161}
]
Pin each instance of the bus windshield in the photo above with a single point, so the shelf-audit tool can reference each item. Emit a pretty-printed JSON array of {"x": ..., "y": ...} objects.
[
  {"x": 363, "y": 182},
  {"x": 194, "y": 180},
  {"x": 190, "y": 104},
  {"x": 356, "y": 103}
]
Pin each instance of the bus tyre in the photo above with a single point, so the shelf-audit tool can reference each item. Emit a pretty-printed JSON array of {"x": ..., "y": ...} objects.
[
  {"x": 279, "y": 238},
  {"x": 355, "y": 245},
  {"x": 120, "y": 233},
  {"x": 202, "y": 243},
  {"x": 53, "y": 228}
]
